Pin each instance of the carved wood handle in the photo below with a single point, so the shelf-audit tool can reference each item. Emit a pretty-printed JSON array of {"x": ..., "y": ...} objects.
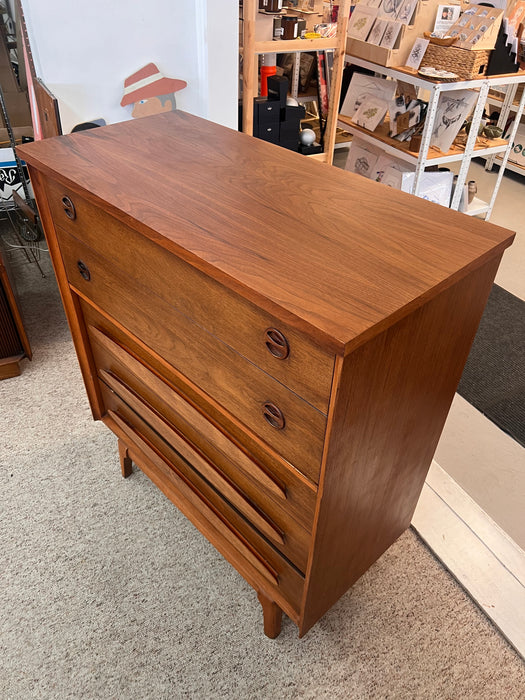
[
  {"x": 273, "y": 415},
  {"x": 69, "y": 208},
  {"x": 277, "y": 343},
  {"x": 84, "y": 270}
]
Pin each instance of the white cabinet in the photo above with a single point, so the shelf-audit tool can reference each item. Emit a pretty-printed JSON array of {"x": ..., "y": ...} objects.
[{"x": 427, "y": 156}]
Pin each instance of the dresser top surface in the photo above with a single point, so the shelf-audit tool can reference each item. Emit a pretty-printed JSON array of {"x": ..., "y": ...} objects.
[{"x": 343, "y": 256}]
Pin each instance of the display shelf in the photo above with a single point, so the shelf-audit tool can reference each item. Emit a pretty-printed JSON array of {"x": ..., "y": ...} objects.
[
  {"x": 477, "y": 207},
  {"x": 252, "y": 49},
  {"x": 515, "y": 167},
  {"x": 292, "y": 45},
  {"x": 402, "y": 149},
  {"x": 429, "y": 156}
]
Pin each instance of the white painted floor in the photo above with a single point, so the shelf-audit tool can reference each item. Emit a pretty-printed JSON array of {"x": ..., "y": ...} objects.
[{"x": 481, "y": 458}]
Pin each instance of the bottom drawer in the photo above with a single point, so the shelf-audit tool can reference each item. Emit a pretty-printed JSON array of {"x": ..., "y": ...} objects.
[{"x": 259, "y": 561}]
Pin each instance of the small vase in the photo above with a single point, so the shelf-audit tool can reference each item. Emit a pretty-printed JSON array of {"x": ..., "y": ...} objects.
[{"x": 472, "y": 190}]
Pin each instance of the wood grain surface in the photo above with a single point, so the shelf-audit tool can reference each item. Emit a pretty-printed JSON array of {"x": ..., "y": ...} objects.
[{"x": 328, "y": 251}]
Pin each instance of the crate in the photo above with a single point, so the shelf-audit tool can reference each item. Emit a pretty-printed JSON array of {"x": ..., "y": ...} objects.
[
  {"x": 466, "y": 64},
  {"x": 422, "y": 21}
]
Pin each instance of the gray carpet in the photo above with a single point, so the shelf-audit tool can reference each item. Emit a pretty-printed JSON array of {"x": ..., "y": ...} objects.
[
  {"x": 494, "y": 377},
  {"x": 107, "y": 591}
]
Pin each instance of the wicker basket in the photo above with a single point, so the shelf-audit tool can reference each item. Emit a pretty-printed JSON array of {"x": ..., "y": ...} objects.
[{"x": 467, "y": 65}]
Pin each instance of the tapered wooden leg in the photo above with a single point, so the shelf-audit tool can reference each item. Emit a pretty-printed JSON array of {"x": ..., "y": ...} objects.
[
  {"x": 272, "y": 615},
  {"x": 125, "y": 460}
]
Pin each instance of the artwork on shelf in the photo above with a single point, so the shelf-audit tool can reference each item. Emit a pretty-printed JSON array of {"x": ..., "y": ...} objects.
[
  {"x": 389, "y": 9},
  {"x": 361, "y": 159},
  {"x": 377, "y": 32},
  {"x": 372, "y": 3},
  {"x": 416, "y": 54},
  {"x": 452, "y": 110},
  {"x": 361, "y": 22},
  {"x": 391, "y": 33},
  {"x": 406, "y": 11},
  {"x": 403, "y": 116},
  {"x": 434, "y": 186},
  {"x": 361, "y": 86},
  {"x": 389, "y": 171},
  {"x": 370, "y": 112},
  {"x": 446, "y": 17}
]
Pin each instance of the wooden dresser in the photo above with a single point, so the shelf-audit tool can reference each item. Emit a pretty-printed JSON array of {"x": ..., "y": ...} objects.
[{"x": 275, "y": 342}]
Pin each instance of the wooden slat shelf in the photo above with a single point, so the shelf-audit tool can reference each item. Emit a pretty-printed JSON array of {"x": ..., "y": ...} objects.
[
  {"x": 381, "y": 134},
  {"x": 291, "y": 45}
]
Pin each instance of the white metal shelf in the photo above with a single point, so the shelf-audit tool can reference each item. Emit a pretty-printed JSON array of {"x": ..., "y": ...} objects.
[
  {"x": 424, "y": 158},
  {"x": 477, "y": 207}
]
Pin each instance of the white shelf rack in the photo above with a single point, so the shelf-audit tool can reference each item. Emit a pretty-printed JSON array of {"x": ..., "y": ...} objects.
[{"x": 427, "y": 156}]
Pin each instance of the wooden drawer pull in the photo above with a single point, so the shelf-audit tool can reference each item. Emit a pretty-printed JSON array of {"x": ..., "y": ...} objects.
[
  {"x": 273, "y": 415},
  {"x": 84, "y": 270},
  {"x": 69, "y": 208},
  {"x": 277, "y": 343},
  {"x": 131, "y": 437}
]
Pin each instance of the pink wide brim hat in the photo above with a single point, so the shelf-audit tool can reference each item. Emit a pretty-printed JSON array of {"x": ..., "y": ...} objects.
[{"x": 149, "y": 82}]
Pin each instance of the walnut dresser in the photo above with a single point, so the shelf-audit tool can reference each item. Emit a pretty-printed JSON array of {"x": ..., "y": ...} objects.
[{"x": 274, "y": 342}]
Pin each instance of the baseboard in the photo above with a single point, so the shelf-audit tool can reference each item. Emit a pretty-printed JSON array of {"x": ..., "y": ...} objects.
[{"x": 477, "y": 552}]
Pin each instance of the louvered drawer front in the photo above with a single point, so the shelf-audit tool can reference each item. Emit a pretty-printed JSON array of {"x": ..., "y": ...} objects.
[
  {"x": 258, "y": 495},
  {"x": 257, "y": 550}
]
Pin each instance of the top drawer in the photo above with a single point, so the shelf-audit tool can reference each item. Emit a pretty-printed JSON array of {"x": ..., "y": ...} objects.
[{"x": 275, "y": 347}]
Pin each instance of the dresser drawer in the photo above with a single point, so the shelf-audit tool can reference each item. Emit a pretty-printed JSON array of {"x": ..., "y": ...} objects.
[
  {"x": 282, "y": 494},
  {"x": 290, "y": 425},
  {"x": 222, "y": 525},
  {"x": 276, "y": 347},
  {"x": 281, "y": 532},
  {"x": 274, "y": 566}
]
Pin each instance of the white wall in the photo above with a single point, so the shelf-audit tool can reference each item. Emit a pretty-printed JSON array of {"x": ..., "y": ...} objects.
[{"x": 83, "y": 51}]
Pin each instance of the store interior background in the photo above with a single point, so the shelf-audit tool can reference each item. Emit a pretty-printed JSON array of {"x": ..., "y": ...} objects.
[{"x": 84, "y": 53}]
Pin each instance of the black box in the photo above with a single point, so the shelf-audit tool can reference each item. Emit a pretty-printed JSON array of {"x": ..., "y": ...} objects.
[
  {"x": 278, "y": 88},
  {"x": 290, "y": 144},
  {"x": 290, "y": 129},
  {"x": 310, "y": 150},
  {"x": 268, "y": 132},
  {"x": 290, "y": 113},
  {"x": 266, "y": 111}
]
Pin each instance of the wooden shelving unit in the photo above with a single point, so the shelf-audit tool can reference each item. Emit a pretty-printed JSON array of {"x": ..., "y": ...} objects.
[{"x": 252, "y": 49}]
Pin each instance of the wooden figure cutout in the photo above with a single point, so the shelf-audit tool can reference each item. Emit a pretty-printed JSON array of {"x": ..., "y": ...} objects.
[{"x": 150, "y": 92}]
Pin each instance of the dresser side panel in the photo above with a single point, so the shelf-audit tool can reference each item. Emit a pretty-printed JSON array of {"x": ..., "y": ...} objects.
[{"x": 392, "y": 402}]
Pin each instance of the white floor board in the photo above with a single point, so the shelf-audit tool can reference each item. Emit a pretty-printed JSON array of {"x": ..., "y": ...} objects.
[{"x": 481, "y": 556}]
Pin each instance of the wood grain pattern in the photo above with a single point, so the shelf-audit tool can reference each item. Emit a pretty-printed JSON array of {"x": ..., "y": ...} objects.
[
  {"x": 69, "y": 301},
  {"x": 182, "y": 411},
  {"x": 186, "y": 450},
  {"x": 239, "y": 386},
  {"x": 329, "y": 259},
  {"x": 380, "y": 291},
  {"x": 298, "y": 487},
  {"x": 387, "y": 419},
  {"x": 307, "y": 370},
  {"x": 278, "y": 576}
]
